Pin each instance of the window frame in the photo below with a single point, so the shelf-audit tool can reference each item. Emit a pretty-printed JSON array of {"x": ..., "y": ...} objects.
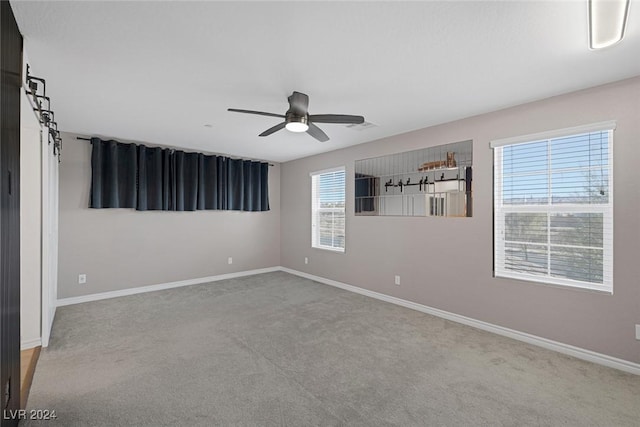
[
  {"x": 500, "y": 210},
  {"x": 315, "y": 210}
]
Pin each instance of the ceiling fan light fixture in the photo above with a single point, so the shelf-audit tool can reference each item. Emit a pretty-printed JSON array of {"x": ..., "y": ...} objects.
[
  {"x": 607, "y": 22},
  {"x": 297, "y": 127},
  {"x": 296, "y": 123}
]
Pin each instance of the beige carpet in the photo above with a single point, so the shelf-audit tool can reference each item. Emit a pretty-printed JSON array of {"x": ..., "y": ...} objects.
[{"x": 278, "y": 350}]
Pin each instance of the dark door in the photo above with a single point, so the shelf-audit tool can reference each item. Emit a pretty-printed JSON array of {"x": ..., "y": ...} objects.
[{"x": 11, "y": 64}]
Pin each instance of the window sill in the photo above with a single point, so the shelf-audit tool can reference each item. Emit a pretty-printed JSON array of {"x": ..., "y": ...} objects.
[
  {"x": 556, "y": 284},
  {"x": 329, "y": 248}
]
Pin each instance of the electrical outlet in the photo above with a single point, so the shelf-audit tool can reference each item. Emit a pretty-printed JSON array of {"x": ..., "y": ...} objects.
[
  {"x": 397, "y": 281},
  {"x": 306, "y": 260},
  {"x": 82, "y": 279},
  {"x": 638, "y": 332},
  {"x": 229, "y": 260}
]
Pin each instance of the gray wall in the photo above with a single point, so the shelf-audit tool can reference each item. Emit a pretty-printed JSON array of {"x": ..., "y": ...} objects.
[
  {"x": 123, "y": 248},
  {"x": 447, "y": 262}
]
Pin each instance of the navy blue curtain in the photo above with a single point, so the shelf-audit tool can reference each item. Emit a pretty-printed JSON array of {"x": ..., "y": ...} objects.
[
  {"x": 185, "y": 181},
  {"x": 114, "y": 170},
  {"x": 258, "y": 191},
  {"x": 208, "y": 182},
  {"x": 246, "y": 192},
  {"x": 235, "y": 193},
  {"x": 153, "y": 178}
]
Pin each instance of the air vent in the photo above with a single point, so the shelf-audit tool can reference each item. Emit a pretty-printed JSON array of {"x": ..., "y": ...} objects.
[{"x": 361, "y": 126}]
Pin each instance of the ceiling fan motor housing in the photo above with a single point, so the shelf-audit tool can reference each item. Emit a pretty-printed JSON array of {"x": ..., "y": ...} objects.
[{"x": 292, "y": 117}]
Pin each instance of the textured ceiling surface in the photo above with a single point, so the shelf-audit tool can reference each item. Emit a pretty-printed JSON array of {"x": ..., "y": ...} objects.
[{"x": 158, "y": 72}]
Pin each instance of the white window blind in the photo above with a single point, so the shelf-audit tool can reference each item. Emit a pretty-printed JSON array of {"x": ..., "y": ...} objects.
[
  {"x": 553, "y": 208},
  {"x": 328, "y": 209}
]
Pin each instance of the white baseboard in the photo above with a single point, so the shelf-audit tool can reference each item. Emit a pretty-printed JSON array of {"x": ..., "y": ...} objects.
[
  {"x": 27, "y": 344},
  {"x": 577, "y": 352},
  {"x": 139, "y": 290}
]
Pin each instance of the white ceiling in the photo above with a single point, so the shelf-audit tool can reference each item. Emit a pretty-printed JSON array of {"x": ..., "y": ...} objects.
[{"x": 159, "y": 71}]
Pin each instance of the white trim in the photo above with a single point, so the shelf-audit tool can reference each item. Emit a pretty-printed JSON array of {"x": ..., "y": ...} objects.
[
  {"x": 25, "y": 345},
  {"x": 159, "y": 287},
  {"x": 330, "y": 170},
  {"x": 555, "y": 281},
  {"x": 329, "y": 248},
  {"x": 558, "y": 133},
  {"x": 577, "y": 352}
]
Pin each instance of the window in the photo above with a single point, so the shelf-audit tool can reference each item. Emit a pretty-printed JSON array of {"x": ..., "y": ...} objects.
[
  {"x": 327, "y": 209},
  {"x": 553, "y": 207}
]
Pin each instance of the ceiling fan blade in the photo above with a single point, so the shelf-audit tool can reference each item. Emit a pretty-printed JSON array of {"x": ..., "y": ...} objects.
[
  {"x": 274, "y": 129},
  {"x": 317, "y": 133},
  {"x": 260, "y": 113},
  {"x": 299, "y": 103},
  {"x": 336, "y": 118}
]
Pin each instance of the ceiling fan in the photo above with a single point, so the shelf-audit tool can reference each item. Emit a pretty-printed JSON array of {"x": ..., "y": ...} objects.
[{"x": 298, "y": 119}]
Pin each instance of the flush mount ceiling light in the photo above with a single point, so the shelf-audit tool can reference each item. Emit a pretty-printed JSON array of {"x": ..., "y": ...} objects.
[{"x": 607, "y": 22}]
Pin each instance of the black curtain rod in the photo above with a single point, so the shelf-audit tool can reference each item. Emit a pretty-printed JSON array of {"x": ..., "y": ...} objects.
[{"x": 89, "y": 139}]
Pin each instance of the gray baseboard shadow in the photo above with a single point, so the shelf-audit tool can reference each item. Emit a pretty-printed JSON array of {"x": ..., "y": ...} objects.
[{"x": 577, "y": 352}]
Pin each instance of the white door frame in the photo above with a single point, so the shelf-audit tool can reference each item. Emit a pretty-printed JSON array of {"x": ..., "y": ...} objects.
[
  {"x": 49, "y": 236},
  {"x": 48, "y": 226}
]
